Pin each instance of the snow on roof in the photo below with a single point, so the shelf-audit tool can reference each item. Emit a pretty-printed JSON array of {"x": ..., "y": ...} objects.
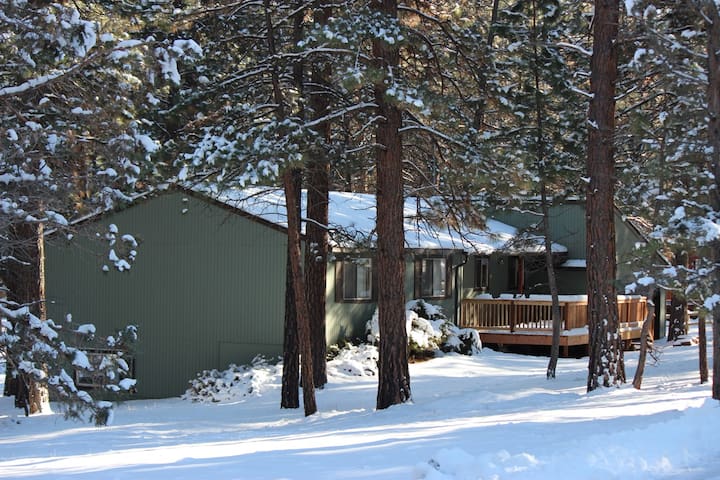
[
  {"x": 574, "y": 263},
  {"x": 352, "y": 222}
]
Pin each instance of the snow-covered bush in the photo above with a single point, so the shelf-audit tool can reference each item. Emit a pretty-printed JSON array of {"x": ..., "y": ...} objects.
[
  {"x": 243, "y": 381},
  {"x": 429, "y": 331},
  {"x": 236, "y": 382},
  {"x": 354, "y": 361}
]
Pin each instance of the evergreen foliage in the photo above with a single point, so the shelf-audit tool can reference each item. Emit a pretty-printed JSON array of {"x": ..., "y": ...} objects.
[{"x": 78, "y": 85}]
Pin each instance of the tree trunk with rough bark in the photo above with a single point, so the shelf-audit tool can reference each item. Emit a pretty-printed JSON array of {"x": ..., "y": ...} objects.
[
  {"x": 289, "y": 394},
  {"x": 291, "y": 186},
  {"x": 552, "y": 284},
  {"x": 702, "y": 347},
  {"x": 303, "y": 326},
  {"x": 316, "y": 253},
  {"x": 712, "y": 17},
  {"x": 318, "y": 184},
  {"x": 24, "y": 277},
  {"x": 606, "y": 364},
  {"x": 393, "y": 371}
]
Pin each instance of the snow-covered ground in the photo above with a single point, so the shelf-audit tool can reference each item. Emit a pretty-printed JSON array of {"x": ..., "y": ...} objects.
[{"x": 492, "y": 416}]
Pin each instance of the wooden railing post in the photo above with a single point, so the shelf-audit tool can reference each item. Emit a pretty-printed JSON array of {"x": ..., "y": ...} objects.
[{"x": 513, "y": 313}]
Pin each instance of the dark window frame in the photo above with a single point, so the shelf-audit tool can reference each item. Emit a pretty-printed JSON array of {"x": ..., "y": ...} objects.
[
  {"x": 340, "y": 271},
  {"x": 516, "y": 273},
  {"x": 482, "y": 273},
  {"x": 91, "y": 382},
  {"x": 420, "y": 291}
]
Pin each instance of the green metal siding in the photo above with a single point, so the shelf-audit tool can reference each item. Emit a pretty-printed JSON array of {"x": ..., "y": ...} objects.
[
  {"x": 207, "y": 288},
  {"x": 347, "y": 320},
  {"x": 567, "y": 224},
  {"x": 626, "y": 239},
  {"x": 344, "y": 320}
]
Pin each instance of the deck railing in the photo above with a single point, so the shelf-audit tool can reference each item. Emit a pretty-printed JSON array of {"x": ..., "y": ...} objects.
[{"x": 532, "y": 314}]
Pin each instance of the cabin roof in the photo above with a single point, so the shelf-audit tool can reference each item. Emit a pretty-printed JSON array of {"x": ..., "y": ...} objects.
[{"x": 352, "y": 222}]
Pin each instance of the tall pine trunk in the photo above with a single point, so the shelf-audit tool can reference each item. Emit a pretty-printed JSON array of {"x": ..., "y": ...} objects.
[
  {"x": 394, "y": 375},
  {"x": 318, "y": 183},
  {"x": 292, "y": 195},
  {"x": 316, "y": 253},
  {"x": 24, "y": 278},
  {"x": 606, "y": 365},
  {"x": 301, "y": 310},
  {"x": 541, "y": 162},
  {"x": 713, "y": 100},
  {"x": 289, "y": 394}
]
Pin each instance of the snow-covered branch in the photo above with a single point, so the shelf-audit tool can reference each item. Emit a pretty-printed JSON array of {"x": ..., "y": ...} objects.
[
  {"x": 339, "y": 113},
  {"x": 575, "y": 47}
]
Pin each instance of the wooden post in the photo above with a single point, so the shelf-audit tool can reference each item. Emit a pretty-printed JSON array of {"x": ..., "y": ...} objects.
[{"x": 513, "y": 315}]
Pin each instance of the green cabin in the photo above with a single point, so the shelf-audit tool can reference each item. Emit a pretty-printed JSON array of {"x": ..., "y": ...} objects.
[{"x": 208, "y": 286}]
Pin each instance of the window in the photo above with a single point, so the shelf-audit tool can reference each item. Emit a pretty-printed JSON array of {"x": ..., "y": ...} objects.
[
  {"x": 516, "y": 274},
  {"x": 482, "y": 273},
  {"x": 355, "y": 280},
  {"x": 105, "y": 364},
  {"x": 433, "y": 277}
]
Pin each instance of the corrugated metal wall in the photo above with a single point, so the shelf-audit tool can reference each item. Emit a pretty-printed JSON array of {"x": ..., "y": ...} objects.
[
  {"x": 567, "y": 223},
  {"x": 207, "y": 288}
]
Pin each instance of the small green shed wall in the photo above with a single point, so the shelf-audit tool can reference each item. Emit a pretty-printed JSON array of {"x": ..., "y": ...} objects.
[{"x": 207, "y": 288}]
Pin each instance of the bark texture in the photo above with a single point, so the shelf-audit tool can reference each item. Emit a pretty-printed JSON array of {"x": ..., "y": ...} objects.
[
  {"x": 24, "y": 277},
  {"x": 394, "y": 375},
  {"x": 316, "y": 252},
  {"x": 552, "y": 284},
  {"x": 713, "y": 96},
  {"x": 606, "y": 365},
  {"x": 303, "y": 326},
  {"x": 318, "y": 184},
  {"x": 702, "y": 348},
  {"x": 289, "y": 394}
]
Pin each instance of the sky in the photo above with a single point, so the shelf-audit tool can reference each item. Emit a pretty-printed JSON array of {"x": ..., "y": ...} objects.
[{"x": 490, "y": 416}]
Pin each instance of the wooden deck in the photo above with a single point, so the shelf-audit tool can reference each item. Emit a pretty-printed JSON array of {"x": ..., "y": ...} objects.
[{"x": 528, "y": 321}]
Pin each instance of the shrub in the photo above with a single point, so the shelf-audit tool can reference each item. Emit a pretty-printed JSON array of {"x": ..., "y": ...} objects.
[{"x": 430, "y": 331}]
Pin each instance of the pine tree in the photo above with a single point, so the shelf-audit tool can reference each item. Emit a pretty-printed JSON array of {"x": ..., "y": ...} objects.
[
  {"x": 393, "y": 372},
  {"x": 73, "y": 138},
  {"x": 711, "y": 15},
  {"x": 606, "y": 364},
  {"x": 318, "y": 202},
  {"x": 671, "y": 164},
  {"x": 536, "y": 58}
]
